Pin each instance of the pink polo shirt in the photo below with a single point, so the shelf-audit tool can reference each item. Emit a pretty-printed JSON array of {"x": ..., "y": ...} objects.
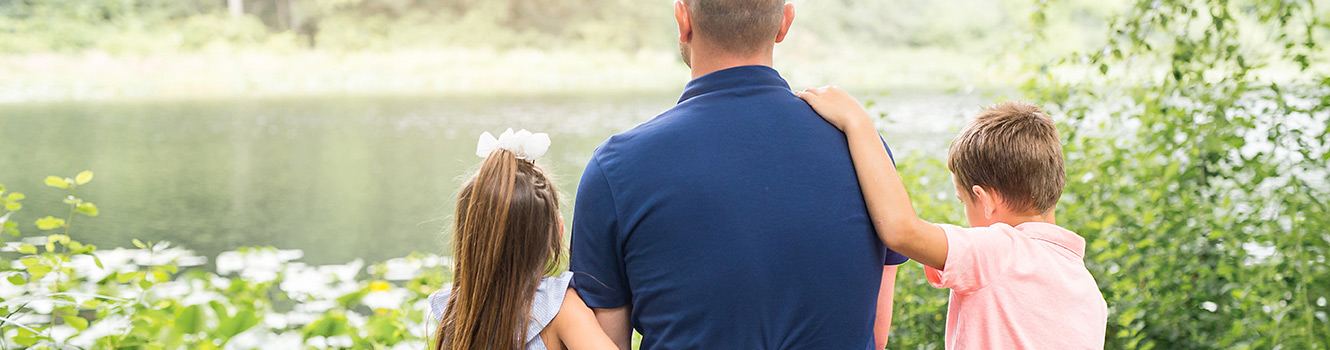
[{"x": 1023, "y": 287}]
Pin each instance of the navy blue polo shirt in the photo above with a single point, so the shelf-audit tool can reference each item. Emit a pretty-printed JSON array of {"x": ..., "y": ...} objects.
[{"x": 731, "y": 221}]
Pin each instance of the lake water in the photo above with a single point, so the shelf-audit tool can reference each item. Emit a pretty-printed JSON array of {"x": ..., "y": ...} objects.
[{"x": 340, "y": 177}]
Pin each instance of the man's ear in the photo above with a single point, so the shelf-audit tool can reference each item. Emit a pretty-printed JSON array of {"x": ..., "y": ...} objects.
[
  {"x": 785, "y": 23},
  {"x": 685, "y": 21},
  {"x": 986, "y": 201}
]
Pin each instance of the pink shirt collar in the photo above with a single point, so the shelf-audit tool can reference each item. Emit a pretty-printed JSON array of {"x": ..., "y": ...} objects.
[{"x": 1054, "y": 234}]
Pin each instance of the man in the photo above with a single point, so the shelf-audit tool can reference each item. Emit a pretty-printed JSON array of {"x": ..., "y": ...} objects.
[{"x": 734, "y": 220}]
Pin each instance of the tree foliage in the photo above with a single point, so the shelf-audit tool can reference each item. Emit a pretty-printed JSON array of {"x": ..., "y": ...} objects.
[
  {"x": 136, "y": 26},
  {"x": 1196, "y": 145},
  {"x": 1199, "y": 172}
]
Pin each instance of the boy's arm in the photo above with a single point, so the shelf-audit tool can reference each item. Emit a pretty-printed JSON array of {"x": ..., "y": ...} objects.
[
  {"x": 888, "y": 203},
  {"x": 882, "y": 325}
]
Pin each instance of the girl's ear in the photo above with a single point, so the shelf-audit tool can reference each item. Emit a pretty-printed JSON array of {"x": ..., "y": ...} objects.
[
  {"x": 985, "y": 201},
  {"x": 561, "y": 227}
]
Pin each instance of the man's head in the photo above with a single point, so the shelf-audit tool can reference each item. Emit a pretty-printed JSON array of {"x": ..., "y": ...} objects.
[
  {"x": 738, "y": 28},
  {"x": 1008, "y": 162}
]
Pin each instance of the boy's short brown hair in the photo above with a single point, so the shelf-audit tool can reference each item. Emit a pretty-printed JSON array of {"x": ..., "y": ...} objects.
[{"x": 1012, "y": 148}]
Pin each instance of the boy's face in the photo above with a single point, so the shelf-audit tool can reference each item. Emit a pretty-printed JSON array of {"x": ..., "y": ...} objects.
[{"x": 974, "y": 212}]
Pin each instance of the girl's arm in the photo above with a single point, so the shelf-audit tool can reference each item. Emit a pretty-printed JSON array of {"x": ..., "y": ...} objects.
[
  {"x": 576, "y": 325},
  {"x": 888, "y": 203}
]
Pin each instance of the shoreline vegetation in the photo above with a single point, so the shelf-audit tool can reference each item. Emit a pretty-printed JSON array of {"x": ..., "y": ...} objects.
[
  {"x": 1195, "y": 134},
  {"x": 220, "y": 74},
  {"x": 70, "y": 50}
]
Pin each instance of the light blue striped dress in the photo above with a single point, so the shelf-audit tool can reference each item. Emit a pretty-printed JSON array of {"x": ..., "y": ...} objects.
[{"x": 545, "y": 304}]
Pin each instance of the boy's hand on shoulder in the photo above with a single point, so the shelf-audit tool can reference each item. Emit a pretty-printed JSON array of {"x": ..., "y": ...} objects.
[{"x": 837, "y": 107}]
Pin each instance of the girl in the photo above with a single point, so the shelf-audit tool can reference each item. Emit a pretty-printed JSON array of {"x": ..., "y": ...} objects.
[{"x": 508, "y": 234}]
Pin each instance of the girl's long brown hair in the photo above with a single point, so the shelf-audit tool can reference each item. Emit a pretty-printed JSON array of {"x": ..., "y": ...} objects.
[{"x": 506, "y": 236}]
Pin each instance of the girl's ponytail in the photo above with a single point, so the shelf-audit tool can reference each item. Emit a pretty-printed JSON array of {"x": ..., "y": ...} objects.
[{"x": 505, "y": 235}]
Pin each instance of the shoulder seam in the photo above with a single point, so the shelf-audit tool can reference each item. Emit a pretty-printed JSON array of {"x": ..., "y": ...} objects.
[
  {"x": 1059, "y": 245},
  {"x": 997, "y": 278},
  {"x": 609, "y": 186}
]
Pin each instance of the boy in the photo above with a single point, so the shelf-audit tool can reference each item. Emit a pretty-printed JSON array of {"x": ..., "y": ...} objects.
[{"x": 1017, "y": 280}]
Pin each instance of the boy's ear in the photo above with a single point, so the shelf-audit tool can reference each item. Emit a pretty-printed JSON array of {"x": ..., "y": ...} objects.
[{"x": 986, "y": 201}]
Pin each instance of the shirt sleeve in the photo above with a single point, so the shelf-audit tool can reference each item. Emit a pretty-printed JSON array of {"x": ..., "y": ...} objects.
[
  {"x": 894, "y": 258},
  {"x": 975, "y": 258},
  {"x": 438, "y": 302},
  {"x": 596, "y": 257}
]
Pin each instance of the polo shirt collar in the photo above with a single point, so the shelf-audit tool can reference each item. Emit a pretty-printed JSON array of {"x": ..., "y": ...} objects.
[
  {"x": 1054, "y": 234},
  {"x": 742, "y": 76}
]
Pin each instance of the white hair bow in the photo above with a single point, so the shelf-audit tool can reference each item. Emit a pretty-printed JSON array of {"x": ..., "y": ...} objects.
[{"x": 524, "y": 144}]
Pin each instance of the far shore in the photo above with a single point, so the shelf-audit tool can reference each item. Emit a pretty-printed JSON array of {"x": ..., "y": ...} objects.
[{"x": 96, "y": 76}]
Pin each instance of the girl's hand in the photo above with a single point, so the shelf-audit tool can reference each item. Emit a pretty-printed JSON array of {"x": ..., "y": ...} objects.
[{"x": 837, "y": 107}]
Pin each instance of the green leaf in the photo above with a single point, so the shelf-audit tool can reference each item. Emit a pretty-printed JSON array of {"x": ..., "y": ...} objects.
[
  {"x": 15, "y": 197},
  {"x": 78, "y": 323},
  {"x": 219, "y": 309},
  {"x": 88, "y": 209},
  {"x": 98, "y": 261},
  {"x": 50, "y": 222},
  {"x": 11, "y": 206},
  {"x": 243, "y": 320},
  {"x": 26, "y": 337},
  {"x": 124, "y": 277},
  {"x": 83, "y": 177},
  {"x": 138, "y": 243},
  {"x": 38, "y": 271},
  {"x": 189, "y": 320},
  {"x": 329, "y": 326},
  {"x": 27, "y": 249},
  {"x": 56, "y": 182},
  {"x": 62, "y": 239},
  {"x": 17, "y": 279}
]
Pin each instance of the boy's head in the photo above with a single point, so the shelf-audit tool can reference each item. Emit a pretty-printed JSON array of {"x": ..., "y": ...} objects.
[{"x": 1007, "y": 163}]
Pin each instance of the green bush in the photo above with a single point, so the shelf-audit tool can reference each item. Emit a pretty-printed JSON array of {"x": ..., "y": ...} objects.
[
  {"x": 1196, "y": 147},
  {"x": 59, "y": 293}
]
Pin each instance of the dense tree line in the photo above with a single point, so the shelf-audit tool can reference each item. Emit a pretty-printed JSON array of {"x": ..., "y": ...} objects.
[{"x": 156, "y": 25}]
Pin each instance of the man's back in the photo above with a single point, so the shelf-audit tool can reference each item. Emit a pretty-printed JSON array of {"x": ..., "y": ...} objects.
[{"x": 733, "y": 220}]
